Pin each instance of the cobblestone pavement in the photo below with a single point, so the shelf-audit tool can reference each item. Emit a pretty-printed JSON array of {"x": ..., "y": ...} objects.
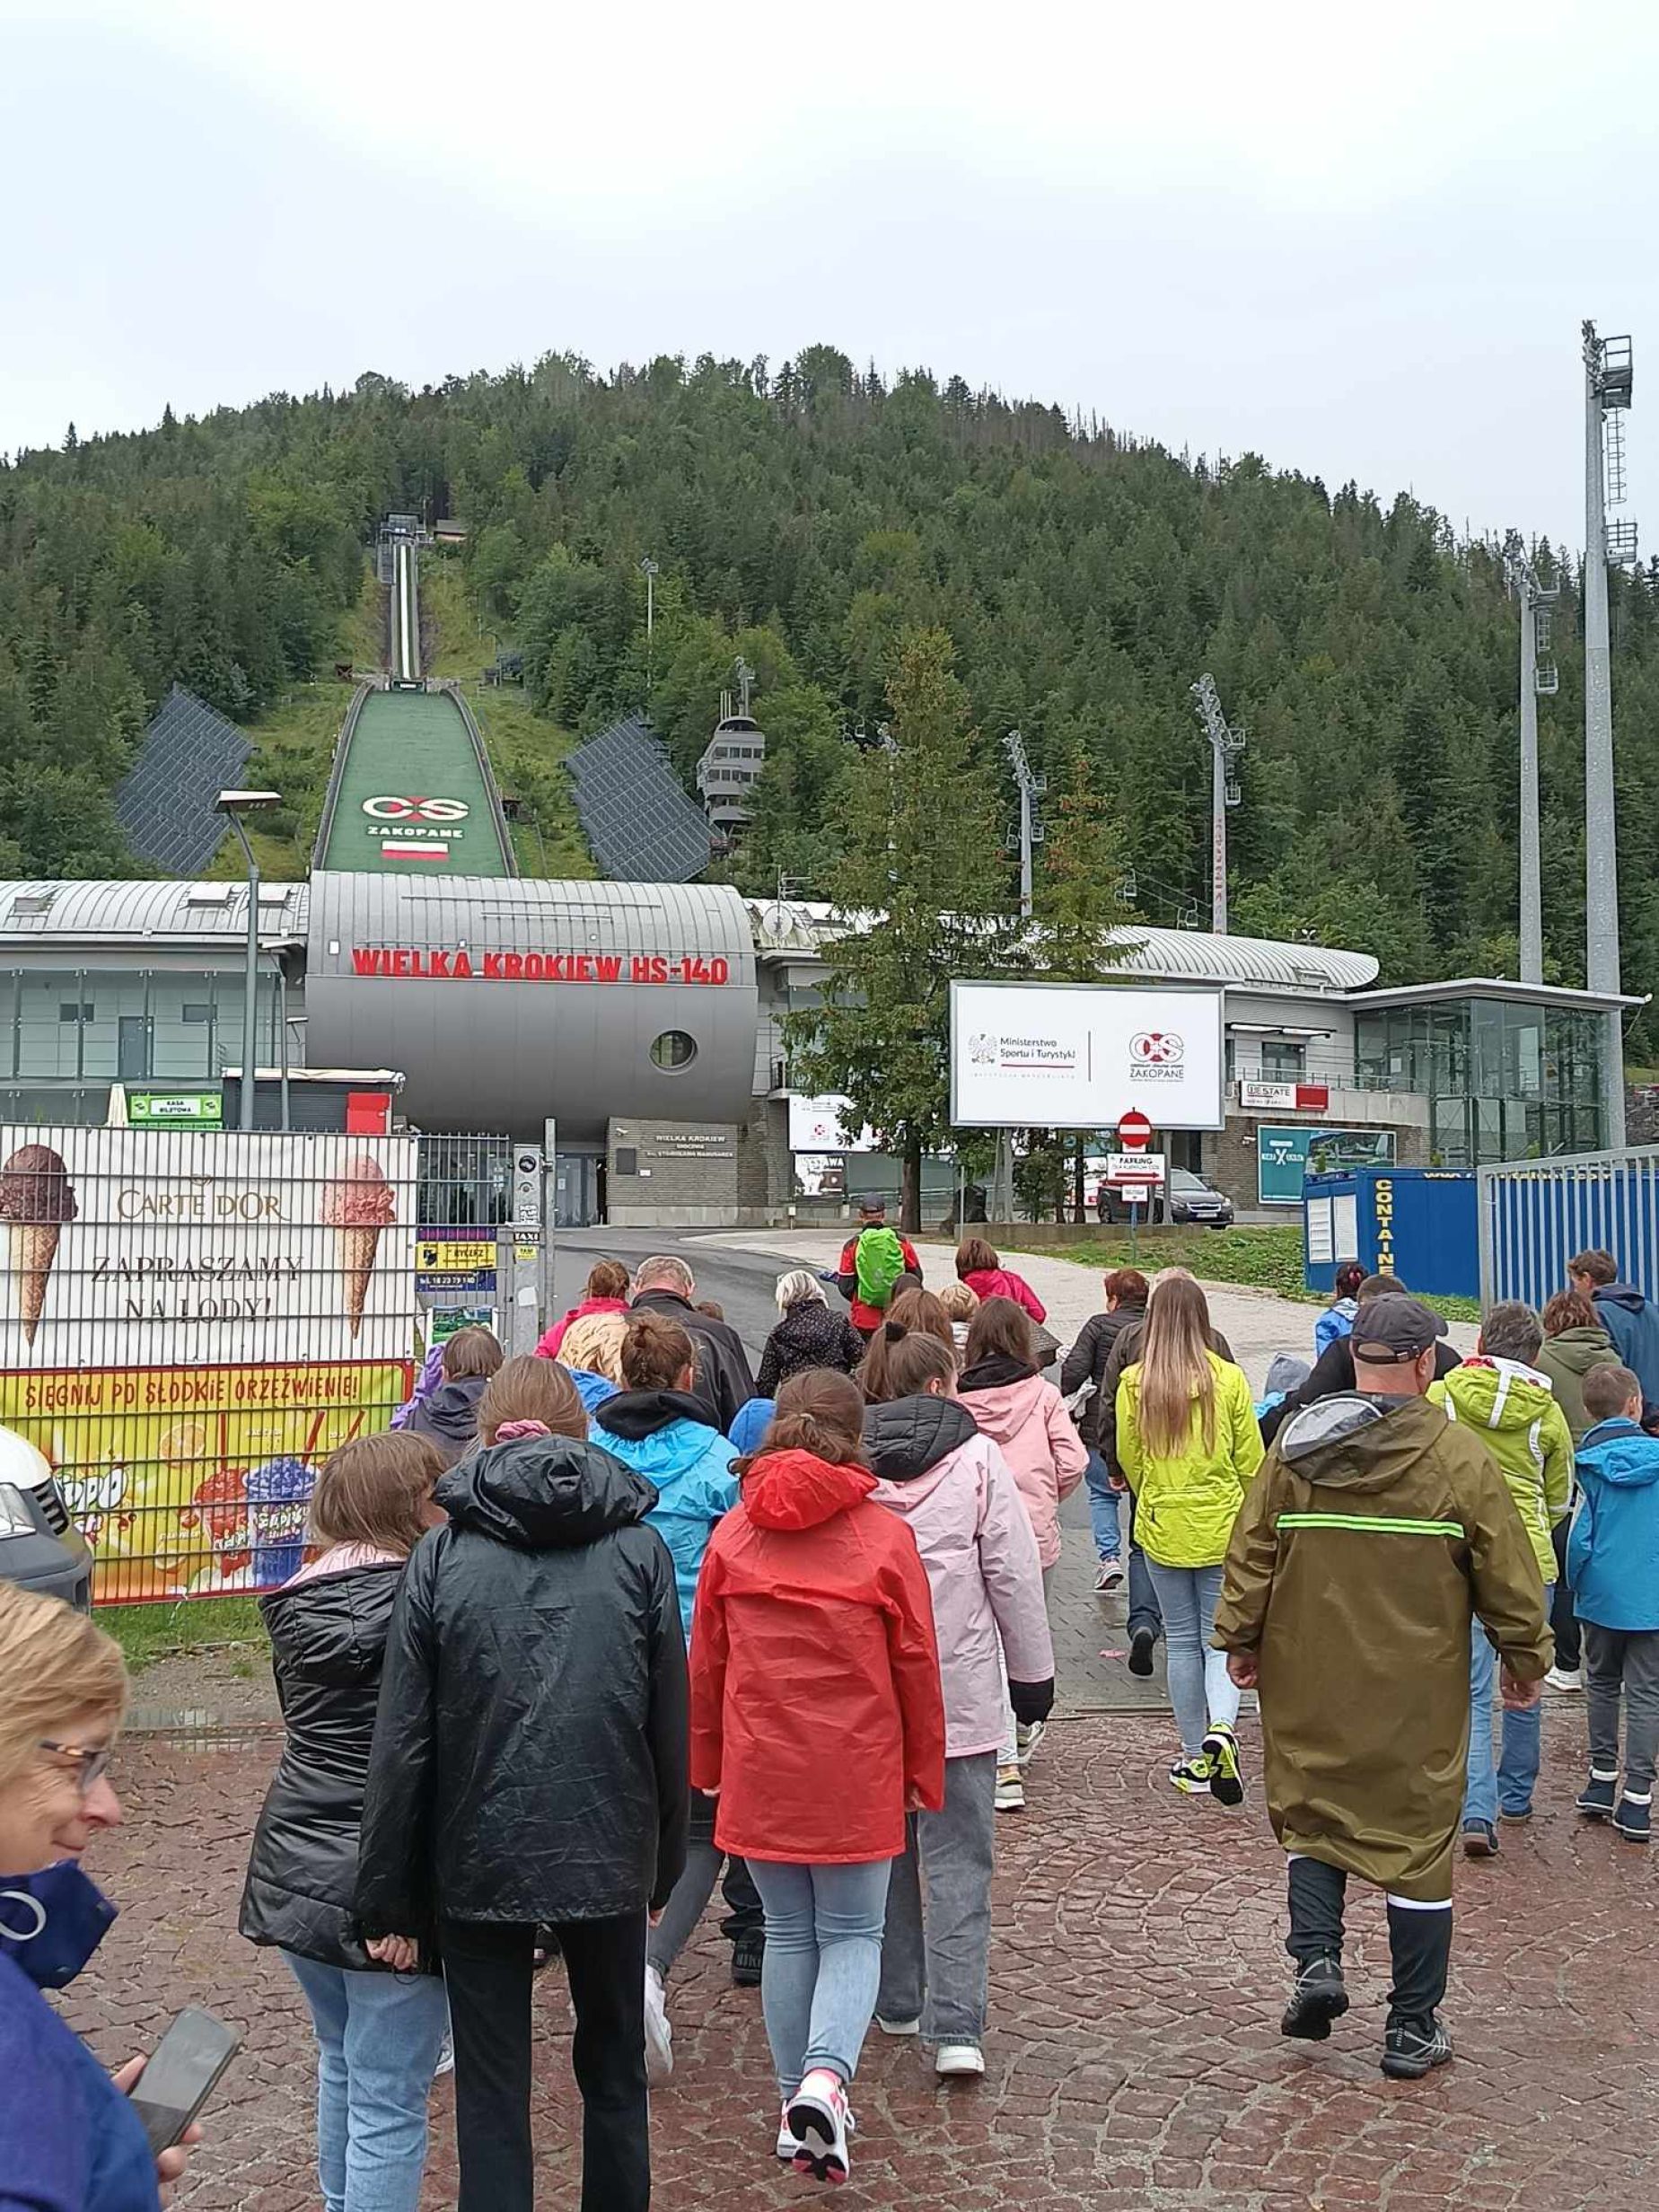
[{"x": 1134, "y": 2062}]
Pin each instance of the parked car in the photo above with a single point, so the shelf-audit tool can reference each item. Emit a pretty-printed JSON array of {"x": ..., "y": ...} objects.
[
  {"x": 1191, "y": 1199},
  {"x": 39, "y": 1545}
]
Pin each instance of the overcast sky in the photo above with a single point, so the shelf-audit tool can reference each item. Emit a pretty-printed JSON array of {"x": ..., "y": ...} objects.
[{"x": 1360, "y": 240}]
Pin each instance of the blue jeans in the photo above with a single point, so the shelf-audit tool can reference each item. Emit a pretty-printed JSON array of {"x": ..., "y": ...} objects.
[
  {"x": 823, "y": 1962},
  {"x": 1201, "y": 1690},
  {"x": 1102, "y": 1508},
  {"x": 377, "y": 2044},
  {"x": 1508, "y": 1781}
]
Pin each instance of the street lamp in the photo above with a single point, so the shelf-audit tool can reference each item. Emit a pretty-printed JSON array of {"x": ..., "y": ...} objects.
[
  {"x": 648, "y": 569},
  {"x": 235, "y": 804}
]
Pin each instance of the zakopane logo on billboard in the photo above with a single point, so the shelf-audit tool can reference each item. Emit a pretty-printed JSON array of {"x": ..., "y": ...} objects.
[
  {"x": 1080, "y": 1056},
  {"x": 1157, "y": 1055}
]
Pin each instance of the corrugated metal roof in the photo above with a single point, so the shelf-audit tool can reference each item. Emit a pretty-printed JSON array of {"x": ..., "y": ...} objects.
[
  {"x": 1498, "y": 987},
  {"x": 43, "y": 911}
]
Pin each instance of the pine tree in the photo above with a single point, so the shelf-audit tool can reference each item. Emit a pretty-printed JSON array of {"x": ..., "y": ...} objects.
[{"x": 920, "y": 854}]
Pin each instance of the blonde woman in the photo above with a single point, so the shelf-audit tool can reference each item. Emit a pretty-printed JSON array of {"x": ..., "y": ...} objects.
[
  {"x": 593, "y": 1351},
  {"x": 808, "y": 1336},
  {"x": 69, "y": 2136},
  {"x": 1189, "y": 1445},
  {"x": 961, "y": 1302}
]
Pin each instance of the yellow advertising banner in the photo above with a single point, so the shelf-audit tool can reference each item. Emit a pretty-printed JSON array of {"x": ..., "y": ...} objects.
[{"x": 195, "y": 1482}]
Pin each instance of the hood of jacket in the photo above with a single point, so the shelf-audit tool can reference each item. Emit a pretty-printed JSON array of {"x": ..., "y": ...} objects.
[
  {"x": 999, "y": 1373},
  {"x": 1355, "y": 1443},
  {"x": 544, "y": 1493},
  {"x": 798, "y": 1491},
  {"x": 451, "y": 1412},
  {"x": 639, "y": 1414},
  {"x": 1580, "y": 1349},
  {"x": 333, "y": 1628},
  {"x": 1498, "y": 1394},
  {"x": 1623, "y": 1294},
  {"x": 1623, "y": 1455},
  {"x": 678, "y": 1445},
  {"x": 992, "y": 1283},
  {"x": 593, "y": 1390},
  {"x": 907, "y": 1436}
]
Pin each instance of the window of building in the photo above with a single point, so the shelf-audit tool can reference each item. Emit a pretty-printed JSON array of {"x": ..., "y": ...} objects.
[
  {"x": 68, "y": 1010},
  {"x": 1283, "y": 1059},
  {"x": 196, "y": 1010},
  {"x": 674, "y": 1049}
]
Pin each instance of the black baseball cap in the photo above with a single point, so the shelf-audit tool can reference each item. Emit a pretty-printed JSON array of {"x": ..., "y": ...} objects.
[
  {"x": 872, "y": 1207},
  {"x": 1391, "y": 1330}
]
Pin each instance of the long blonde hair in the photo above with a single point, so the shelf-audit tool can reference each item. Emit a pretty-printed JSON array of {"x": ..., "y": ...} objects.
[{"x": 1175, "y": 1366}]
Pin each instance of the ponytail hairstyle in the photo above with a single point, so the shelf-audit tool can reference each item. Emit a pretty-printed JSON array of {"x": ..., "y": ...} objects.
[
  {"x": 607, "y": 1279},
  {"x": 1175, "y": 1367},
  {"x": 656, "y": 1351},
  {"x": 819, "y": 1411},
  {"x": 919, "y": 1314},
  {"x": 536, "y": 1391}
]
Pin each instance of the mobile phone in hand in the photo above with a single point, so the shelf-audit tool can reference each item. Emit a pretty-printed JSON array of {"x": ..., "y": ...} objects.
[{"x": 181, "y": 2074}]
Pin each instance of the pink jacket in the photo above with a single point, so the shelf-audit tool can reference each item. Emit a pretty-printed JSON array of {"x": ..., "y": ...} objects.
[
  {"x": 1004, "y": 1283},
  {"x": 957, "y": 1492},
  {"x": 1040, "y": 1444}
]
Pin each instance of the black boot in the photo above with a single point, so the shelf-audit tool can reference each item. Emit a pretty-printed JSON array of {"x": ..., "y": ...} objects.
[
  {"x": 1315, "y": 1942},
  {"x": 1414, "y": 2042}
]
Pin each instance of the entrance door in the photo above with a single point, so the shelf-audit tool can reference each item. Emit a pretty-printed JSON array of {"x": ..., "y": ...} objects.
[
  {"x": 137, "y": 1032},
  {"x": 577, "y": 1190}
]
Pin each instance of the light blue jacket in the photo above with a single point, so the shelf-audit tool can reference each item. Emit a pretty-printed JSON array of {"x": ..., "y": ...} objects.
[
  {"x": 1612, "y": 1554},
  {"x": 689, "y": 1464},
  {"x": 1334, "y": 1323}
]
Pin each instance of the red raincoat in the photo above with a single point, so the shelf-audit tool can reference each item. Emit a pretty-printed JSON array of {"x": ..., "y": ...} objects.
[
  {"x": 816, "y": 1703},
  {"x": 1004, "y": 1283}
]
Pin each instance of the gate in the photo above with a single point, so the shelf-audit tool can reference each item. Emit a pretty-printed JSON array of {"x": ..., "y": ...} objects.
[{"x": 1537, "y": 1214}]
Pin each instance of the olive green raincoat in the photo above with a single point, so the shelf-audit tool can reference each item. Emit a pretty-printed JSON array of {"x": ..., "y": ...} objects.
[{"x": 1373, "y": 1534}]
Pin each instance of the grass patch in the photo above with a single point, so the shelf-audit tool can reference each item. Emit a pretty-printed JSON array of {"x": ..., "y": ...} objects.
[
  {"x": 1268, "y": 1259},
  {"x": 146, "y": 1633}
]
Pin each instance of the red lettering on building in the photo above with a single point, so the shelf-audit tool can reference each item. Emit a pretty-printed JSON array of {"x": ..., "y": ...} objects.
[{"x": 451, "y": 964}]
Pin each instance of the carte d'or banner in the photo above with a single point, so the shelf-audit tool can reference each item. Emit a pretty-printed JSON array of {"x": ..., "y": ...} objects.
[
  {"x": 161, "y": 1247},
  {"x": 194, "y": 1482}
]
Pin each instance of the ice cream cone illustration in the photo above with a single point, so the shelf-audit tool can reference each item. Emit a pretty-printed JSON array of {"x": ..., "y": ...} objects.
[
  {"x": 358, "y": 1208},
  {"x": 36, "y": 1199}
]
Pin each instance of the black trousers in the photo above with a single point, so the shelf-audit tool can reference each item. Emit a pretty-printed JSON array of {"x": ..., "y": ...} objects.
[
  {"x": 1419, "y": 1938},
  {"x": 1563, "y": 1619},
  {"x": 486, "y": 1965}
]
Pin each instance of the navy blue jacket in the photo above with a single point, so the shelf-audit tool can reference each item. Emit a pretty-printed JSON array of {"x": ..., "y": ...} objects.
[{"x": 1632, "y": 1322}]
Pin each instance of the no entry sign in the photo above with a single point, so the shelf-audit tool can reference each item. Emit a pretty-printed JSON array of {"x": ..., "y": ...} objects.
[{"x": 1134, "y": 1131}]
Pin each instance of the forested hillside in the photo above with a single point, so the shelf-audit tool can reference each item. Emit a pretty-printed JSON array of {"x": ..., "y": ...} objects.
[{"x": 807, "y": 518}]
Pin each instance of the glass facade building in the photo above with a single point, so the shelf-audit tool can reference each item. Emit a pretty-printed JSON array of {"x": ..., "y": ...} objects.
[{"x": 1504, "y": 1079}]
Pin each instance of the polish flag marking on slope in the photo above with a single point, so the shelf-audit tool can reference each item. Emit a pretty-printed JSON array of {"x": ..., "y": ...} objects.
[{"x": 389, "y": 851}]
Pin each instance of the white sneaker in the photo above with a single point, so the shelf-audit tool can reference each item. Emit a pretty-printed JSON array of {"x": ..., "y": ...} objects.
[
  {"x": 1110, "y": 1577},
  {"x": 898, "y": 2027},
  {"x": 958, "y": 2061},
  {"x": 786, "y": 2145},
  {"x": 659, "y": 2033},
  {"x": 1027, "y": 1739},
  {"x": 1566, "y": 1678},
  {"x": 820, "y": 2120},
  {"x": 1010, "y": 1790}
]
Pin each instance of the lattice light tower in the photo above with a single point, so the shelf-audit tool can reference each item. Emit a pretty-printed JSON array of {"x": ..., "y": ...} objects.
[
  {"x": 1608, "y": 383},
  {"x": 1539, "y": 679},
  {"x": 1226, "y": 744},
  {"x": 1032, "y": 832}
]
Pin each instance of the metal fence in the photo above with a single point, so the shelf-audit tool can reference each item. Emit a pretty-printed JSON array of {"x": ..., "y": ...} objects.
[{"x": 1536, "y": 1215}]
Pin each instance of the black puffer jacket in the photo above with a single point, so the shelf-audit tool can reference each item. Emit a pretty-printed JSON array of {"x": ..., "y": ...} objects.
[
  {"x": 1086, "y": 1363},
  {"x": 328, "y": 1644},
  {"x": 809, "y": 1336},
  {"x": 531, "y": 1752}
]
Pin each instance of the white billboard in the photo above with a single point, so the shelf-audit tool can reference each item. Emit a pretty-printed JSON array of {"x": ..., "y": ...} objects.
[
  {"x": 821, "y": 1125},
  {"x": 1078, "y": 1055}
]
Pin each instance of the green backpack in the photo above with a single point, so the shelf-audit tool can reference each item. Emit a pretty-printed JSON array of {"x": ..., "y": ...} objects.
[{"x": 878, "y": 1262}]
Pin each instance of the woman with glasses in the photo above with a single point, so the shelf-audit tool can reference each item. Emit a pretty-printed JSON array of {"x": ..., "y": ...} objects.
[{"x": 69, "y": 2138}]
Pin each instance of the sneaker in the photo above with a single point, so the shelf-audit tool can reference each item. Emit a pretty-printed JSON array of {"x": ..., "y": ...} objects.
[
  {"x": 1192, "y": 1775},
  {"x": 659, "y": 2034},
  {"x": 1634, "y": 1817},
  {"x": 1566, "y": 1678},
  {"x": 1221, "y": 1748},
  {"x": 1320, "y": 1996},
  {"x": 1010, "y": 1790},
  {"x": 1411, "y": 2049},
  {"x": 446, "y": 2055},
  {"x": 1599, "y": 1796},
  {"x": 898, "y": 2027},
  {"x": 1027, "y": 1739},
  {"x": 959, "y": 2062},
  {"x": 1514, "y": 1813},
  {"x": 1140, "y": 1651},
  {"x": 786, "y": 2145},
  {"x": 820, "y": 2120},
  {"x": 748, "y": 1957},
  {"x": 1479, "y": 1841},
  {"x": 1109, "y": 1578}
]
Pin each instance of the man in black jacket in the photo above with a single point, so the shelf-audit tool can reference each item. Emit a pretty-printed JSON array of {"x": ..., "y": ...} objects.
[
  {"x": 725, "y": 1380},
  {"x": 1333, "y": 1371},
  {"x": 529, "y": 1768},
  {"x": 1127, "y": 1292}
]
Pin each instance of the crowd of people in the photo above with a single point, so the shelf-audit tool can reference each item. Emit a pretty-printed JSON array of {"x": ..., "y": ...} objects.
[{"x": 586, "y": 1633}]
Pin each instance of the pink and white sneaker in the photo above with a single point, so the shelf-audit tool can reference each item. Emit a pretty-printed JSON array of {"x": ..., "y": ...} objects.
[{"x": 820, "y": 2119}]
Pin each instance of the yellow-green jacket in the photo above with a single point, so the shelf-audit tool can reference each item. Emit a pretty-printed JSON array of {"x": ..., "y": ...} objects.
[
  {"x": 1512, "y": 1410},
  {"x": 1185, "y": 1506}
]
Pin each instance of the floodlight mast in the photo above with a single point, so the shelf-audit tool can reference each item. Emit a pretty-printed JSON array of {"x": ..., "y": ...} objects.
[
  {"x": 1537, "y": 675},
  {"x": 1225, "y": 745},
  {"x": 1608, "y": 383},
  {"x": 1031, "y": 787}
]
